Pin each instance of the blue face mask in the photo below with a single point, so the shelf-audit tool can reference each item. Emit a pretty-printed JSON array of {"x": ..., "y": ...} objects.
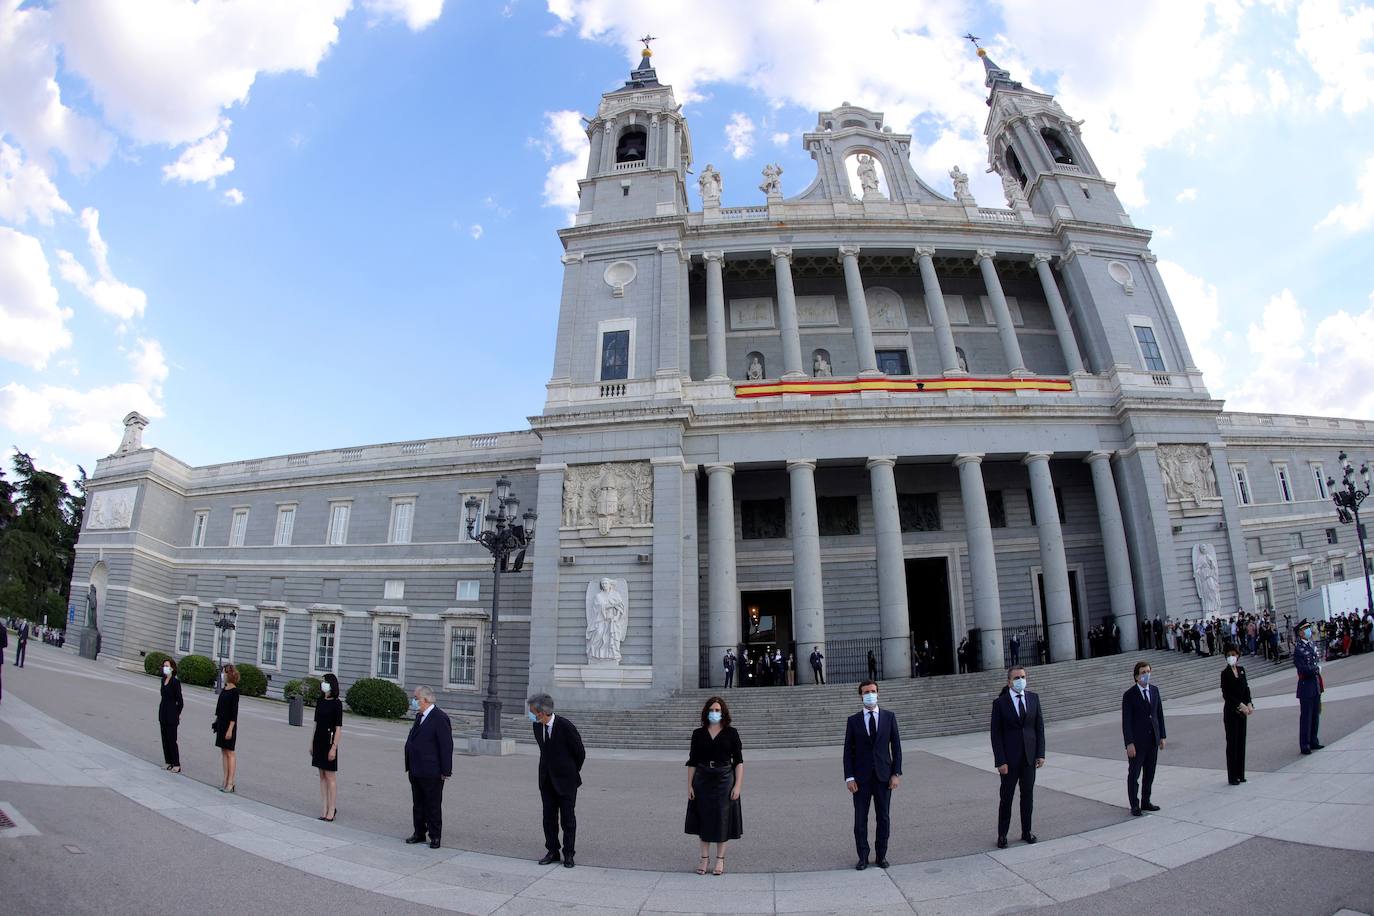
[
  {"x": 713, "y": 717},
  {"x": 532, "y": 717},
  {"x": 414, "y": 705},
  {"x": 1307, "y": 633},
  {"x": 1019, "y": 685},
  {"x": 1145, "y": 679},
  {"x": 870, "y": 700}
]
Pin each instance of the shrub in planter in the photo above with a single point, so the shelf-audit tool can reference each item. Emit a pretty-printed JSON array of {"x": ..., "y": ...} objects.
[
  {"x": 152, "y": 662},
  {"x": 252, "y": 682},
  {"x": 308, "y": 689},
  {"x": 197, "y": 670},
  {"x": 373, "y": 696}
]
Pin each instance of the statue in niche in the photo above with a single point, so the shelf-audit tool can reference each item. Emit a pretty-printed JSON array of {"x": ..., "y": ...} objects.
[
  {"x": 772, "y": 180},
  {"x": 963, "y": 358},
  {"x": 755, "y": 371},
  {"x": 644, "y": 493},
  {"x": 608, "y": 619},
  {"x": 1187, "y": 472},
  {"x": 572, "y": 506},
  {"x": 1206, "y": 578},
  {"x": 92, "y": 605},
  {"x": 868, "y": 176},
  {"x": 960, "y": 179},
  {"x": 1012, "y": 188},
  {"x": 820, "y": 366},
  {"x": 710, "y": 185}
]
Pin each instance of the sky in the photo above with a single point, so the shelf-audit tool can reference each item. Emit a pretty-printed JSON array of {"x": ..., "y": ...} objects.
[{"x": 278, "y": 227}]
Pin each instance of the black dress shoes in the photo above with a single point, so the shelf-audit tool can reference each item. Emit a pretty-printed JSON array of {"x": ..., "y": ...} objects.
[
  {"x": 568, "y": 861},
  {"x": 434, "y": 843},
  {"x": 1001, "y": 842},
  {"x": 1146, "y": 806},
  {"x": 881, "y": 863},
  {"x": 1135, "y": 812},
  {"x": 1028, "y": 838},
  {"x": 550, "y": 858},
  {"x": 1317, "y": 747},
  {"x": 415, "y": 839},
  {"x": 1306, "y": 751},
  {"x": 861, "y": 865}
]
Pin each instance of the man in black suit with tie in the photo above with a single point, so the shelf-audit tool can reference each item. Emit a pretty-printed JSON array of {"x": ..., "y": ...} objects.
[
  {"x": 1018, "y": 750},
  {"x": 561, "y": 755},
  {"x": 872, "y": 769},
  {"x": 429, "y": 761},
  {"x": 1142, "y": 728}
]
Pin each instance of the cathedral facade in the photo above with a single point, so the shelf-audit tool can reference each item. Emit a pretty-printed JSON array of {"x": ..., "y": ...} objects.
[{"x": 862, "y": 417}]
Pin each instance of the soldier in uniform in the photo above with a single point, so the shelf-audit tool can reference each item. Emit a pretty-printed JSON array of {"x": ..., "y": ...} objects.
[{"x": 1306, "y": 660}]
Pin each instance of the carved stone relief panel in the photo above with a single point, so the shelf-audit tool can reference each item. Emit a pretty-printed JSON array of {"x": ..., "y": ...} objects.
[
  {"x": 751, "y": 314},
  {"x": 1188, "y": 474},
  {"x": 606, "y": 496},
  {"x": 885, "y": 309},
  {"x": 817, "y": 311},
  {"x": 112, "y": 508}
]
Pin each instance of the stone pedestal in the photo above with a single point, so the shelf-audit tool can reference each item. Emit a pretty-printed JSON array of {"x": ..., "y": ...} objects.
[
  {"x": 90, "y": 642},
  {"x": 488, "y": 747}
]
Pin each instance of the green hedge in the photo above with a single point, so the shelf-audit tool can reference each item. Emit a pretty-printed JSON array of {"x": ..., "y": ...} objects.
[
  {"x": 306, "y": 688},
  {"x": 373, "y": 696},
  {"x": 252, "y": 682},
  {"x": 152, "y": 662},
  {"x": 197, "y": 670}
]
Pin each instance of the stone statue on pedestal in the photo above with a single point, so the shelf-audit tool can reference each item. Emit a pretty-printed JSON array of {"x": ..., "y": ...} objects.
[
  {"x": 772, "y": 180},
  {"x": 820, "y": 367},
  {"x": 960, "y": 179},
  {"x": 1206, "y": 578},
  {"x": 608, "y": 619},
  {"x": 710, "y": 185},
  {"x": 868, "y": 176}
]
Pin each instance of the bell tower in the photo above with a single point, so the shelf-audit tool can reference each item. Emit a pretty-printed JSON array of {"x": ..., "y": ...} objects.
[
  {"x": 1032, "y": 141},
  {"x": 640, "y": 152}
]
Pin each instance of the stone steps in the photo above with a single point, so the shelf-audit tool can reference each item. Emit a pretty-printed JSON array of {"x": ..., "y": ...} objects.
[{"x": 810, "y": 715}]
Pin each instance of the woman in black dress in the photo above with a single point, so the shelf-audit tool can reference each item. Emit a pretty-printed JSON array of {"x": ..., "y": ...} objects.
[
  {"x": 227, "y": 725},
  {"x": 1236, "y": 706},
  {"x": 324, "y": 746},
  {"x": 715, "y": 776},
  {"x": 169, "y": 715}
]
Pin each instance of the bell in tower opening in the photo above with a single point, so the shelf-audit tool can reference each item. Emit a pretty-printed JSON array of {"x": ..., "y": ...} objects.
[{"x": 632, "y": 145}]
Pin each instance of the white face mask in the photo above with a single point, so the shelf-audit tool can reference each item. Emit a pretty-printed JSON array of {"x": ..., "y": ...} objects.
[
  {"x": 166, "y": 670},
  {"x": 324, "y": 688},
  {"x": 1019, "y": 685},
  {"x": 870, "y": 700},
  {"x": 1232, "y": 660}
]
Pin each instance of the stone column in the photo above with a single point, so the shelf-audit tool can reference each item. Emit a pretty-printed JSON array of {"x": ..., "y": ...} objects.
[
  {"x": 808, "y": 602},
  {"x": 982, "y": 558},
  {"x": 715, "y": 316},
  {"x": 1053, "y": 566},
  {"x": 894, "y": 616},
  {"x": 939, "y": 317},
  {"x": 1058, "y": 314},
  {"x": 545, "y": 585},
  {"x": 858, "y": 310},
  {"x": 787, "y": 315},
  {"x": 1005, "y": 329},
  {"x": 667, "y": 574},
  {"x": 1120, "y": 588},
  {"x": 723, "y": 624},
  {"x": 608, "y": 145}
]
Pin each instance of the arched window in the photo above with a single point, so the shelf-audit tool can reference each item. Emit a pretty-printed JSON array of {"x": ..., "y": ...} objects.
[
  {"x": 1059, "y": 150},
  {"x": 632, "y": 145},
  {"x": 1015, "y": 164}
]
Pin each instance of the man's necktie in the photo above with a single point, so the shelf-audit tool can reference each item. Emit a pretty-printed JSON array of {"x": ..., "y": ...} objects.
[
  {"x": 548, "y": 730},
  {"x": 1020, "y": 710},
  {"x": 872, "y": 726}
]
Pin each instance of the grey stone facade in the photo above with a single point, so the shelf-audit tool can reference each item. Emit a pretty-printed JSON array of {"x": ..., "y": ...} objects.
[{"x": 868, "y": 418}]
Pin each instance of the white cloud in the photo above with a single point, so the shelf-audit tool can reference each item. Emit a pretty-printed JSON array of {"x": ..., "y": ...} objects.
[
  {"x": 32, "y": 325},
  {"x": 417, "y": 14},
  {"x": 108, "y": 293},
  {"x": 780, "y": 138},
  {"x": 1186, "y": 196},
  {"x": 475, "y": 230},
  {"x": 1197, "y": 304},
  {"x": 739, "y": 135},
  {"x": 565, "y": 143},
  {"x": 204, "y": 160},
  {"x": 1339, "y": 46},
  {"x": 233, "y": 196},
  {"x": 26, "y": 190},
  {"x": 1325, "y": 372},
  {"x": 1359, "y": 214}
]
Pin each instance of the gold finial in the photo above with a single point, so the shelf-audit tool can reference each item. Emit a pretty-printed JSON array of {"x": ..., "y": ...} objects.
[
  {"x": 646, "y": 39},
  {"x": 975, "y": 39}
]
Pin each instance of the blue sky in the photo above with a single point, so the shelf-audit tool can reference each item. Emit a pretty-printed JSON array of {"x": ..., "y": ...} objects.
[{"x": 281, "y": 227}]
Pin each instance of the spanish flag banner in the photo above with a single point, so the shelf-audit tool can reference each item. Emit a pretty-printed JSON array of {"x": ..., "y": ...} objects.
[{"x": 833, "y": 386}]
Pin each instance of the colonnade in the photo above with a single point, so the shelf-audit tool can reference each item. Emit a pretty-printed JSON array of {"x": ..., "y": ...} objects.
[
  {"x": 793, "y": 365},
  {"x": 724, "y": 625}
]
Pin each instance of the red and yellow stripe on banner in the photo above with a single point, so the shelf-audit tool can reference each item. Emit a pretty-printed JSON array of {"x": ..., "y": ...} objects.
[{"x": 831, "y": 386}]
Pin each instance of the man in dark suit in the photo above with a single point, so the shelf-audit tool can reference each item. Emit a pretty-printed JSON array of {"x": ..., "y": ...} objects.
[
  {"x": 560, "y": 773},
  {"x": 1142, "y": 728},
  {"x": 729, "y": 663},
  {"x": 872, "y": 769},
  {"x": 1018, "y": 750},
  {"x": 429, "y": 761},
  {"x": 1015, "y": 648},
  {"x": 4, "y": 644},
  {"x": 22, "y": 648},
  {"x": 817, "y": 665}
]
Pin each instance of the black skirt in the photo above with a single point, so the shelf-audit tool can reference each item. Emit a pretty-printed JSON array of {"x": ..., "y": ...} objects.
[
  {"x": 712, "y": 816},
  {"x": 319, "y": 748}
]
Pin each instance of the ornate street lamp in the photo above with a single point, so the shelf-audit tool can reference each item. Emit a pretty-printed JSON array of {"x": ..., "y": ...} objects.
[
  {"x": 503, "y": 532},
  {"x": 225, "y": 621},
  {"x": 1347, "y": 497}
]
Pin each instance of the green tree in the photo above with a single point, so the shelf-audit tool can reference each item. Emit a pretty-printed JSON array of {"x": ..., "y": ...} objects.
[{"x": 36, "y": 543}]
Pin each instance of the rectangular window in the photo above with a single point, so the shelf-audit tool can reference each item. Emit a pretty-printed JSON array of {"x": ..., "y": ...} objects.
[
  {"x": 1302, "y": 581},
  {"x": 394, "y": 589},
  {"x": 202, "y": 521},
  {"x": 997, "y": 509},
  {"x": 338, "y": 522},
  {"x": 463, "y": 516},
  {"x": 389, "y": 650},
  {"x": 185, "y": 628},
  {"x": 1285, "y": 488},
  {"x": 468, "y": 590},
  {"x": 957, "y": 311},
  {"x": 1263, "y": 601},
  {"x": 1058, "y": 502},
  {"x": 1013, "y": 307},
  {"x": 325, "y": 634},
  {"x": 1295, "y": 540},
  {"x": 894, "y": 362},
  {"x": 1254, "y": 547},
  {"x": 1331, "y": 536},
  {"x": 224, "y": 644},
  {"x": 762, "y": 518},
  {"x": 238, "y": 528},
  {"x": 270, "y": 641},
  {"x": 402, "y": 518},
  {"x": 286, "y": 520},
  {"x": 918, "y": 511},
  {"x": 462, "y": 657},
  {"x": 1242, "y": 484},
  {"x": 837, "y": 515},
  {"x": 1149, "y": 348},
  {"x": 1320, "y": 477},
  {"x": 1337, "y": 571},
  {"x": 615, "y": 355}
]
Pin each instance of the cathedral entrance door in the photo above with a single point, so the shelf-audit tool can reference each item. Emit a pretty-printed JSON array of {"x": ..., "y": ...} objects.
[
  {"x": 928, "y": 607},
  {"x": 766, "y": 625}
]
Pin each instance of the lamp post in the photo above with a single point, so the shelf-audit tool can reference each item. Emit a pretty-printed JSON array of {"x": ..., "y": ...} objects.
[
  {"x": 1347, "y": 497},
  {"x": 503, "y": 532},
  {"x": 225, "y": 622}
]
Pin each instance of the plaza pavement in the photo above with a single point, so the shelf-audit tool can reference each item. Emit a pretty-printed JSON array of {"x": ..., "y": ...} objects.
[{"x": 77, "y": 738}]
